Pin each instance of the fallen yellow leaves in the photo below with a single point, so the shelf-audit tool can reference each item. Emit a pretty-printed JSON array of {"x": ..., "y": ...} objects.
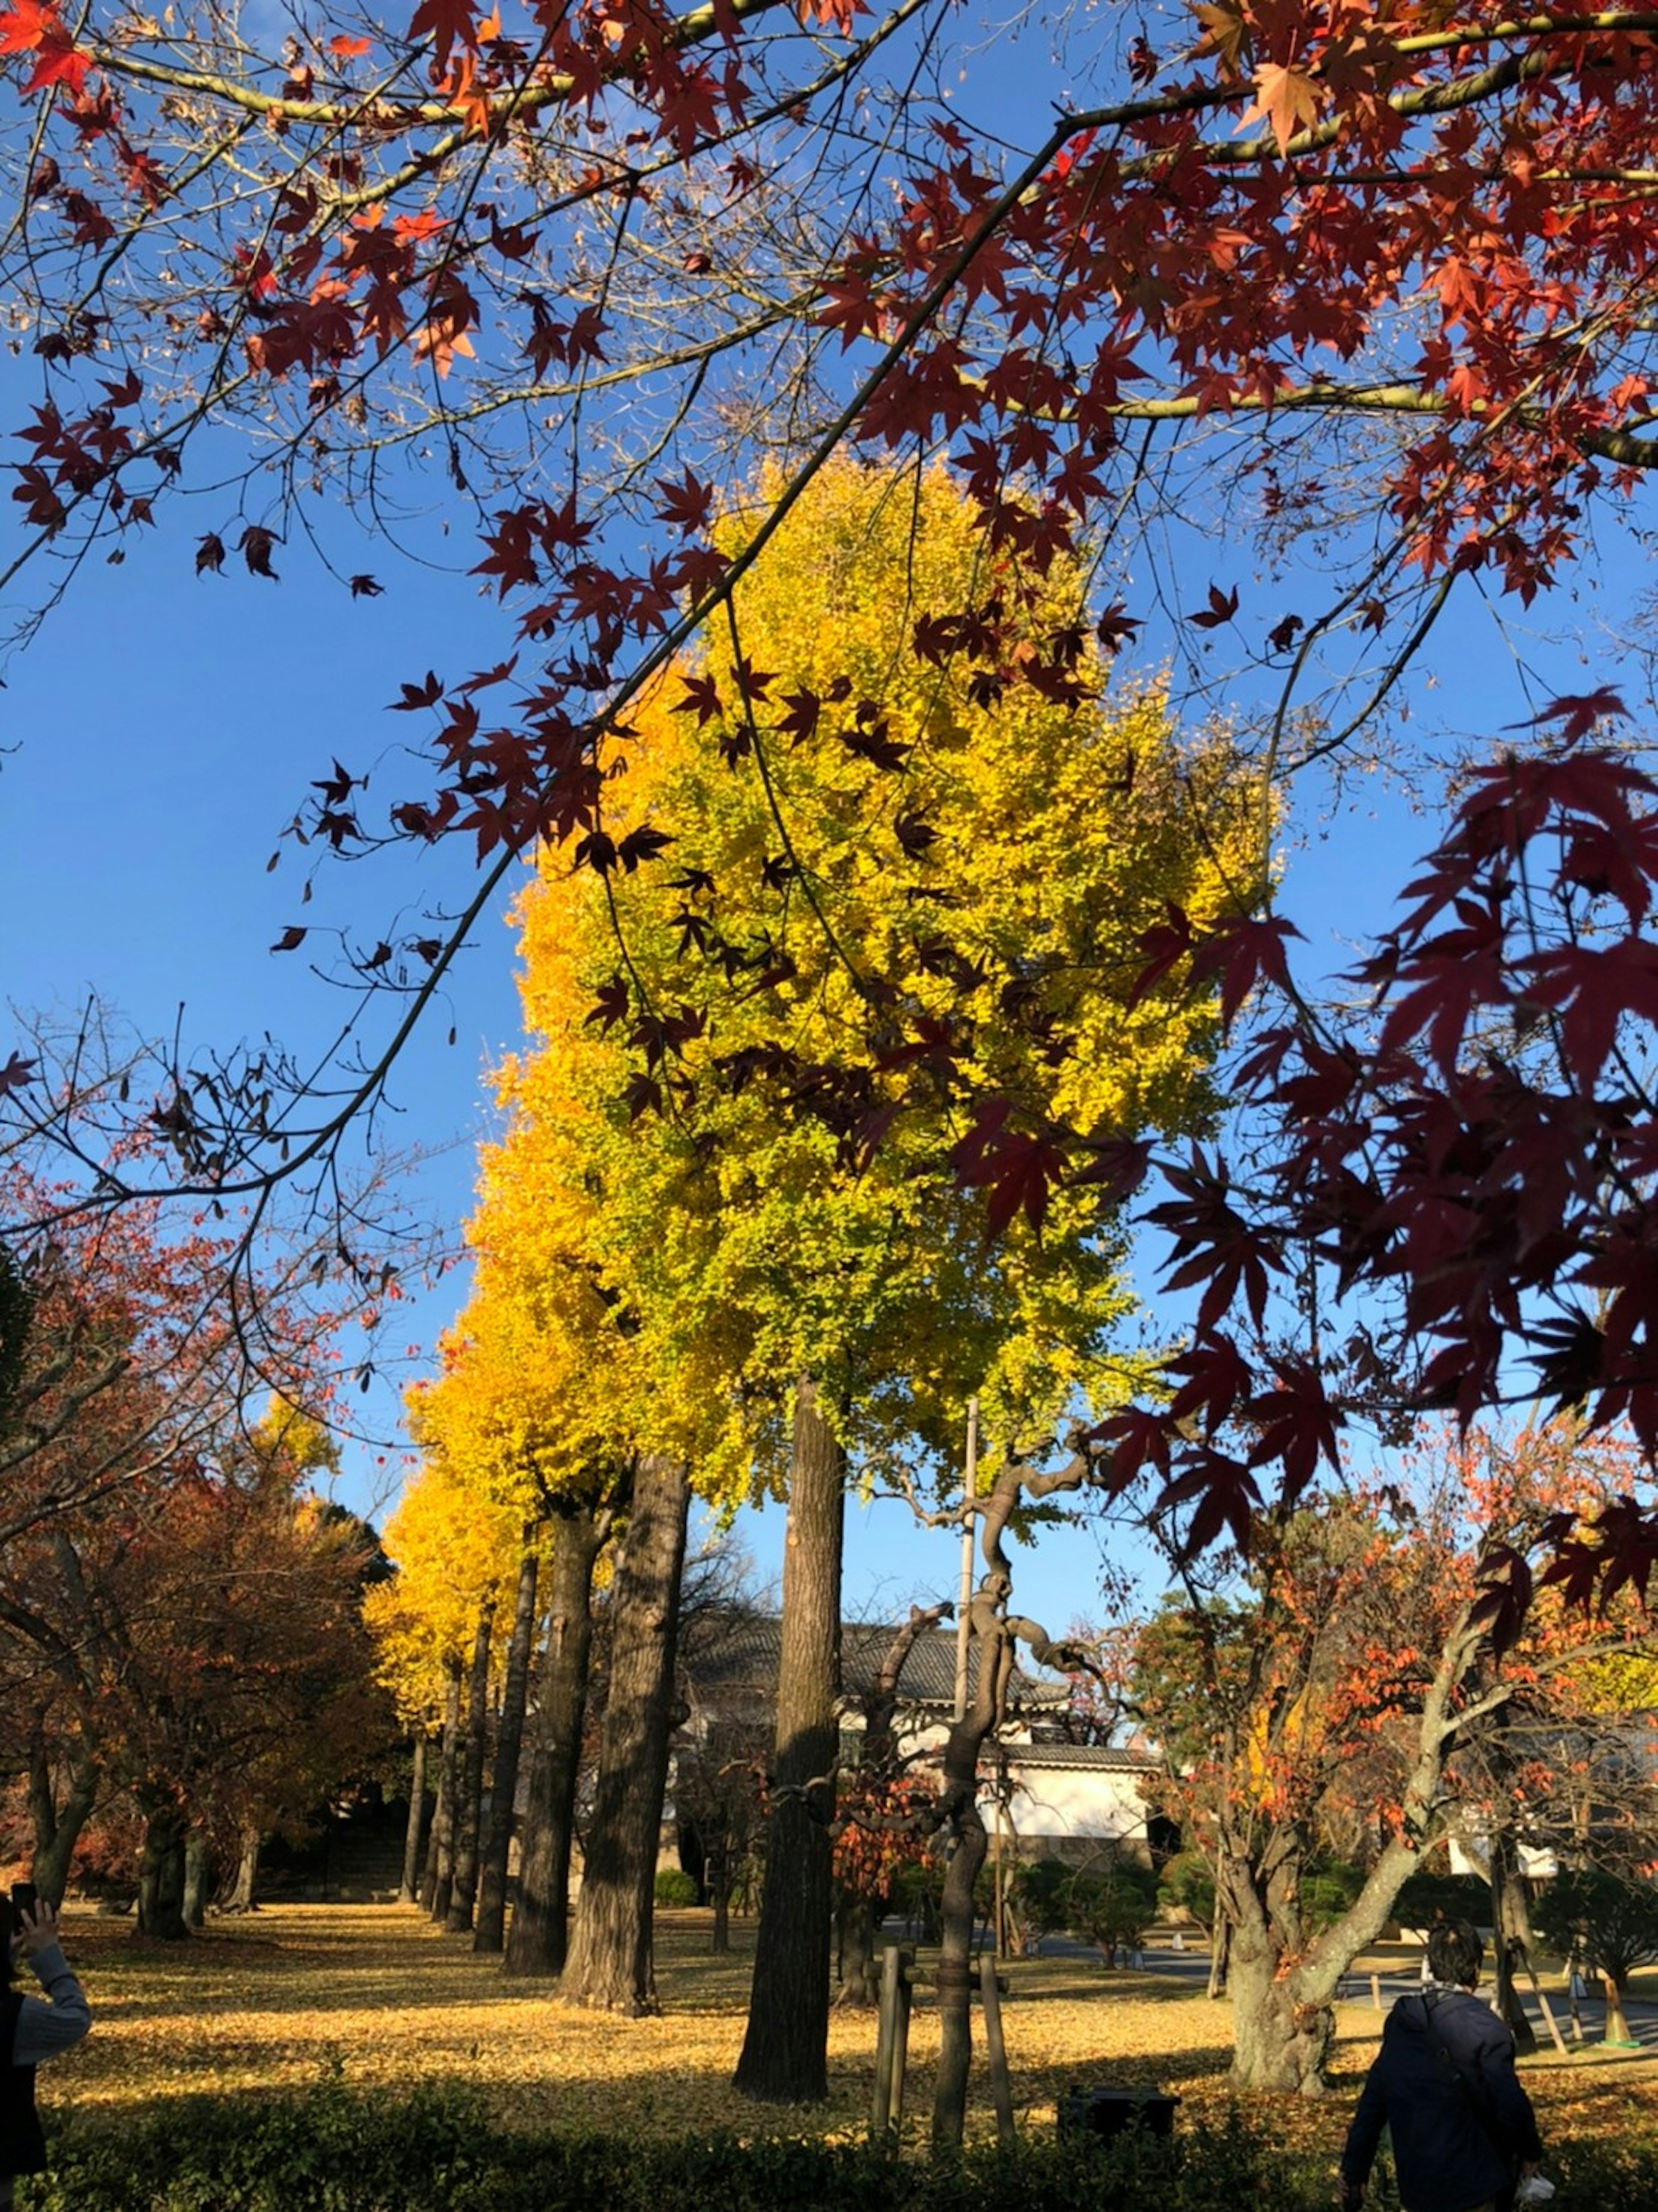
[{"x": 378, "y": 1993}]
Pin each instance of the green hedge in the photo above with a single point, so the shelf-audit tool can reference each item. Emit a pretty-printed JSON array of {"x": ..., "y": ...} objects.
[{"x": 335, "y": 2150}]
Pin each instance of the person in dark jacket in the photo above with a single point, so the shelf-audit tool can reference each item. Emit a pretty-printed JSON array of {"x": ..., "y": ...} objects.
[
  {"x": 1444, "y": 2086},
  {"x": 33, "y": 2028}
]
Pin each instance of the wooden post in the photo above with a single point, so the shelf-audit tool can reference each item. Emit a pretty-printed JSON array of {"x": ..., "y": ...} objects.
[
  {"x": 1001, "y": 2087},
  {"x": 900, "y": 2052},
  {"x": 1548, "y": 2015},
  {"x": 885, "y": 2035},
  {"x": 969, "y": 1529},
  {"x": 1375, "y": 1991}
]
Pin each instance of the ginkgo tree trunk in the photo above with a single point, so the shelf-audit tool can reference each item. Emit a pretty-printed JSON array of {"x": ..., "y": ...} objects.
[
  {"x": 609, "y": 1966},
  {"x": 782, "y": 2060}
]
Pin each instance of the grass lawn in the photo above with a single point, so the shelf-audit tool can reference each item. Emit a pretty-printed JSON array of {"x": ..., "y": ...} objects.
[{"x": 375, "y": 1991}]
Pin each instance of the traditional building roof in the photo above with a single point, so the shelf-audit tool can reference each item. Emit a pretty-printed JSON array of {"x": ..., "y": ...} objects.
[
  {"x": 1097, "y": 1758},
  {"x": 740, "y": 1662}
]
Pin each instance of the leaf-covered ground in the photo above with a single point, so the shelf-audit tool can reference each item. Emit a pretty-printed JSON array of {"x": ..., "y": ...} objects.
[{"x": 377, "y": 1993}]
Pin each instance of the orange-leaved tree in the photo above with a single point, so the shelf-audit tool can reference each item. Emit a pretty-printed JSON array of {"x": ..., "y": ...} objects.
[{"x": 1345, "y": 1697}]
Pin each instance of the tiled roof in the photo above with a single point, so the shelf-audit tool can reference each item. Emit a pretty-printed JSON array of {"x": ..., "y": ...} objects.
[
  {"x": 1103, "y": 1758},
  {"x": 742, "y": 1657}
]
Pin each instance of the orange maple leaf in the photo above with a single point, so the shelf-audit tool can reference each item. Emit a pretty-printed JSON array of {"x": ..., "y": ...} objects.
[{"x": 1288, "y": 98}]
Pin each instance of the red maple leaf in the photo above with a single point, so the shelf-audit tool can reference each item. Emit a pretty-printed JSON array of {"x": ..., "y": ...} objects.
[
  {"x": 450, "y": 22},
  {"x": 686, "y": 505}
]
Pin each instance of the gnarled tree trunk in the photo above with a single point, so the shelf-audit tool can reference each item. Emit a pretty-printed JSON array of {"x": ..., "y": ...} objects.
[
  {"x": 490, "y": 1932},
  {"x": 58, "y": 1826},
  {"x": 785, "y": 2056},
  {"x": 540, "y": 1926},
  {"x": 997, "y": 1634},
  {"x": 162, "y": 1875},
  {"x": 1280, "y": 2041},
  {"x": 609, "y": 1966}
]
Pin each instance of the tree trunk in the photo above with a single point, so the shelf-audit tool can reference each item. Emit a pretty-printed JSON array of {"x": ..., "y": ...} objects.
[
  {"x": 609, "y": 1966},
  {"x": 491, "y": 1931},
  {"x": 197, "y": 1867},
  {"x": 463, "y": 1893},
  {"x": 409, "y": 1888},
  {"x": 540, "y": 1927},
  {"x": 855, "y": 1928},
  {"x": 50, "y": 1863},
  {"x": 440, "y": 1850},
  {"x": 242, "y": 1897},
  {"x": 1510, "y": 1938},
  {"x": 1278, "y": 2041},
  {"x": 785, "y": 2056},
  {"x": 161, "y": 1877},
  {"x": 959, "y": 1791},
  {"x": 1220, "y": 1951},
  {"x": 719, "y": 1896}
]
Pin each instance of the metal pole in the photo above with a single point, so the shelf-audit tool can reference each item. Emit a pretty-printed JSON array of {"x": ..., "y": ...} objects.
[{"x": 969, "y": 1529}]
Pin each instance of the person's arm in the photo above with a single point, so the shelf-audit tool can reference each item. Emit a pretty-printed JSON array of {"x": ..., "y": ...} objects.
[
  {"x": 1507, "y": 2101},
  {"x": 1358, "y": 2152},
  {"x": 45, "y": 2028}
]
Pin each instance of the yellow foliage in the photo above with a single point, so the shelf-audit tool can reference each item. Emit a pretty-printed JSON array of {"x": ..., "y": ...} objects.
[
  {"x": 756, "y": 1222},
  {"x": 453, "y": 1547}
]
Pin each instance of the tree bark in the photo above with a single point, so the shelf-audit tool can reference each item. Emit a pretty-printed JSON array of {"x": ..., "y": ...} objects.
[
  {"x": 785, "y": 2056},
  {"x": 469, "y": 1796},
  {"x": 53, "y": 1850},
  {"x": 491, "y": 1934},
  {"x": 860, "y": 1984},
  {"x": 161, "y": 1877},
  {"x": 1511, "y": 1938},
  {"x": 536, "y": 1940},
  {"x": 1280, "y": 2042},
  {"x": 610, "y": 1967},
  {"x": 958, "y": 1796},
  {"x": 197, "y": 1867},
  {"x": 409, "y": 1888},
  {"x": 440, "y": 1848},
  {"x": 243, "y": 1896}
]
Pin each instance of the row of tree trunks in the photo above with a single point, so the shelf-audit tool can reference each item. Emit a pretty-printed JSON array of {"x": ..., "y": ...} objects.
[
  {"x": 440, "y": 1876},
  {"x": 785, "y": 2055},
  {"x": 610, "y": 1967},
  {"x": 463, "y": 1893}
]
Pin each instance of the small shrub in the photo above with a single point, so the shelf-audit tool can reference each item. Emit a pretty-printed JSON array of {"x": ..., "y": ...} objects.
[
  {"x": 675, "y": 1886},
  {"x": 1188, "y": 1882},
  {"x": 1112, "y": 1910},
  {"x": 1614, "y": 1921},
  {"x": 336, "y": 2149}
]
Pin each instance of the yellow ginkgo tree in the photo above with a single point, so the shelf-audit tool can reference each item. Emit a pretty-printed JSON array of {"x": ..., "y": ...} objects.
[{"x": 794, "y": 1235}]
